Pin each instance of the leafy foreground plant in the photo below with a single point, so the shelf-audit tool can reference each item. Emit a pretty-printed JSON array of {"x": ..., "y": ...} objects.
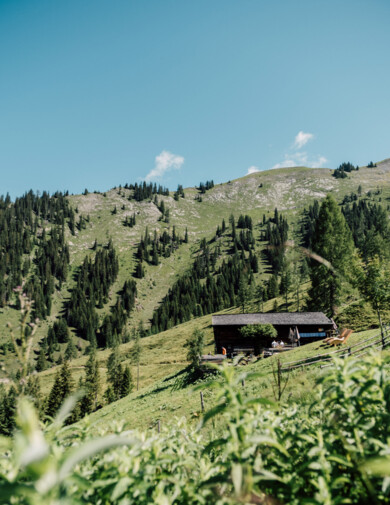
[{"x": 259, "y": 452}]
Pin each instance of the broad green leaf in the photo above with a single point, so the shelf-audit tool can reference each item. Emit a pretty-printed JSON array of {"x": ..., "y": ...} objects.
[
  {"x": 378, "y": 466},
  {"x": 213, "y": 412},
  {"x": 237, "y": 478},
  {"x": 264, "y": 440},
  {"x": 90, "y": 449},
  {"x": 120, "y": 489}
]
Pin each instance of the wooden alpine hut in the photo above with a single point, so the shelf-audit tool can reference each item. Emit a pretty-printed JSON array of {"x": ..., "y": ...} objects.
[{"x": 307, "y": 326}]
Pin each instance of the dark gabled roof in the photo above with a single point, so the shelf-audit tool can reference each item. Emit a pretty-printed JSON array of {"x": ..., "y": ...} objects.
[{"x": 276, "y": 318}]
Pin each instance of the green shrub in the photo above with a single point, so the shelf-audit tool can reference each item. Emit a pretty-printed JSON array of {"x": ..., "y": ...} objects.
[
  {"x": 334, "y": 452},
  {"x": 260, "y": 331}
]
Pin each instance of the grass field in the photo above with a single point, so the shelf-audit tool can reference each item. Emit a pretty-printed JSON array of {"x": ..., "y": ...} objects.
[{"x": 168, "y": 399}]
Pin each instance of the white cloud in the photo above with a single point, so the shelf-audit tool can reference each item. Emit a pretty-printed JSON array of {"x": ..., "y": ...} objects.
[
  {"x": 164, "y": 162},
  {"x": 252, "y": 170},
  {"x": 320, "y": 162},
  {"x": 302, "y": 139},
  {"x": 300, "y": 159},
  {"x": 286, "y": 164}
]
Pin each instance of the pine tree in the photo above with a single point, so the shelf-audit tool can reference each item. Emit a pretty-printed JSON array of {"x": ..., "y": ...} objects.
[
  {"x": 285, "y": 280},
  {"x": 91, "y": 384},
  {"x": 136, "y": 354},
  {"x": 195, "y": 344},
  {"x": 244, "y": 293},
  {"x": 126, "y": 383},
  {"x": 273, "y": 286},
  {"x": 113, "y": 364},
  {"x": 70, "y": 351},
  {"x": 33, "y": 391},
  {"x": 62, "y": 388},
  {"x": 332, "y": 242},
  {"x": 7, "y": 410},
  {"x": 42, "y": 363},
  {"x": 66, "y": 380},
  {"x": 373, "y": 280}
]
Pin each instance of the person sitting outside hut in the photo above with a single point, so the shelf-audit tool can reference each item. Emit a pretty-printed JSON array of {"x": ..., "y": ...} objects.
[
  {"x": 223, "y": 351},
  {"x": 274, "y": 343},
  {"x": 281, "y": 343}
]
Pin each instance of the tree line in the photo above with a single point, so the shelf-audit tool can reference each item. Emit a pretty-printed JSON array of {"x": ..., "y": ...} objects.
[
  {"x": 23, "y": 227},
  {"x": 151, "y": 248},
  {"x": 119, "y": 379},
  {"x": 144, "y": 191},
  {"x": 202, "y": 290}
]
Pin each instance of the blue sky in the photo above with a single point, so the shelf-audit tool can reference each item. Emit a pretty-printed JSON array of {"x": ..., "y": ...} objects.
[{"x": 97, "y": 93}]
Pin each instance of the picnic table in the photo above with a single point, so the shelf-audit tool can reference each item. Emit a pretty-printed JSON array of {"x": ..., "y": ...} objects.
[
  {"x": 213, "y": 358},
  {"x": 269, "y": 351}
]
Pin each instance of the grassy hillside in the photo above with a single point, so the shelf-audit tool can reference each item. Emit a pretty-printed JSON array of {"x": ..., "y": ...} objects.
[
  {"x": 167, "y": 399},
  {"x": 162, "y": 355},
  {"x": 290, "y": 190}
]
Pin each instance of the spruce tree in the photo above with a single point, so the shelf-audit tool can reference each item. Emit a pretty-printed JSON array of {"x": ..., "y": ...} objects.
[
  {"x": 54, "y": 400},
  {"x": 91, "y": 384},
  {"x": 373, "y": 281},
  {"x": 195, "y": 344},
  {"x": 62, "y": 388},
  {"x": 136, "y": 354},
  {"x": 70, "y": 351},
  {"x": 126, "y": 383},
  {"x": 42, "y": 363},
  {"x": 33, "y": 390},
  {"x": 244, "y": 293},
  {"x": 114, "y": 374},
  {"x": 7, "y": 410},
  {"x": 332, "y": 242},
  {"x": 66, "y": 380}
]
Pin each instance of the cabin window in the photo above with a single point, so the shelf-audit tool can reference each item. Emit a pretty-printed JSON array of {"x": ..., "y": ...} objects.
[{"x": 313, "y": 334}]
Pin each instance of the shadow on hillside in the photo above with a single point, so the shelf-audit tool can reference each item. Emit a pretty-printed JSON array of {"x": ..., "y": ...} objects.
[{"x": 166, "y": 386}]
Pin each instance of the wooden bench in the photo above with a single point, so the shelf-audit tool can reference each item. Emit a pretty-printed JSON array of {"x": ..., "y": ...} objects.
[
  {"x": 243, "y": 350},
  {"x": 213, "y": 358}
]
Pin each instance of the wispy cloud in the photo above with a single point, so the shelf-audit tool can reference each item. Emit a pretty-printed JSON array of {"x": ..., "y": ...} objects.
[
  {"x": 301, "y": 159},
  {"x": 298, "y": 158},
  {"x": 302, "y": 139},
  {"x": 164, "y": 162},
  {"x": 286, "y": 163},
  {"x": 252, "y": 170},
  {"x": 320, "y": 162}
]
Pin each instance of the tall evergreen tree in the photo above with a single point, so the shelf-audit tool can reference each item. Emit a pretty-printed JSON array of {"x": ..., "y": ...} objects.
[
  {"x": 332, "y": 242},
  {"x": 373, "y": 280},
  {"x": 114, "y": 370},
  {"x": 126, "y": 383},
  {"x": 91, "y": 384},
  {"x": 7, "y": 410},
  {"x": 195, "y": 344},
  {"x": 41, "y": 361},
  {"x": 244, "y": 293},
  {"x": 62, "y": 388},
  {"x": 136, "y": 354},
  {"x": 70, "y": 351},
  {"x": 54, "y": 398}
]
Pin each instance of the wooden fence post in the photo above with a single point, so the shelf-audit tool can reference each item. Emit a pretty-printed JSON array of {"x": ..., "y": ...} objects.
[{"x": 201, "y": 401}]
